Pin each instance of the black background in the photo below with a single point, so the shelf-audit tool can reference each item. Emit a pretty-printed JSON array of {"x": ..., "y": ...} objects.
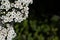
[{"x": 46, "y": 7}]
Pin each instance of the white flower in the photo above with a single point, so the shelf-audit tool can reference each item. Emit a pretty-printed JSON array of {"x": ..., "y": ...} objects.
[
  {"x": 18, "y": 16},
  {"x": 10, "y": 19},
  {"x": 11, "y": 33},
  {"x": 5, "y": 4},
  {"x": 15, "y": 15},
  {"x": 26, "y": 8},
  {"x": 12, "y": 4},
  {"x": 3, "y": 33}
]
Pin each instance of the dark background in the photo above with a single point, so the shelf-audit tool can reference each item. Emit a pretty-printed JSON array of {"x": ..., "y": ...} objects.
[{"x": 45, "y": 7}]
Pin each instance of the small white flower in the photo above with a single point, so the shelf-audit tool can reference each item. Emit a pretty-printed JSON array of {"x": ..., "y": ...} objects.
[
  {"x": 20, "y": 7},
  {"x": 26, "y": 8},
  {"x": 22, "y": 11},
  {"x": 12, "y": 4}
]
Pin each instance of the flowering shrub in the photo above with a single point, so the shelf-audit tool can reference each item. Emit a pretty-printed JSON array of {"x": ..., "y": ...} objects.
[{"x": 16, "y": 11}]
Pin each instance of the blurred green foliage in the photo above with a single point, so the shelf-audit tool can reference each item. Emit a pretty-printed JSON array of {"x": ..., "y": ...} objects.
[{"x": 30, "y": 30}]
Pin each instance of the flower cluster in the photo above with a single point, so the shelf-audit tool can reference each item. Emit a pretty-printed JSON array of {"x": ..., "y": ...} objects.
[
  {"x": 16, "y": 11},
  {"x": 19, "y": 10},
  {"x": 8, "y": 33},
  {"x": 3, "y": 33}
]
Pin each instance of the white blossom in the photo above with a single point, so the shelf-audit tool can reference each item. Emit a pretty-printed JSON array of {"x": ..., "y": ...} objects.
[
  {"x": 3, "y": 33},
  {"x": 9, "y": 33},
  {"x": 13, "y": 15},
  {"x": 5, "y": 5},
  {"x": 17, "y": 12}
]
